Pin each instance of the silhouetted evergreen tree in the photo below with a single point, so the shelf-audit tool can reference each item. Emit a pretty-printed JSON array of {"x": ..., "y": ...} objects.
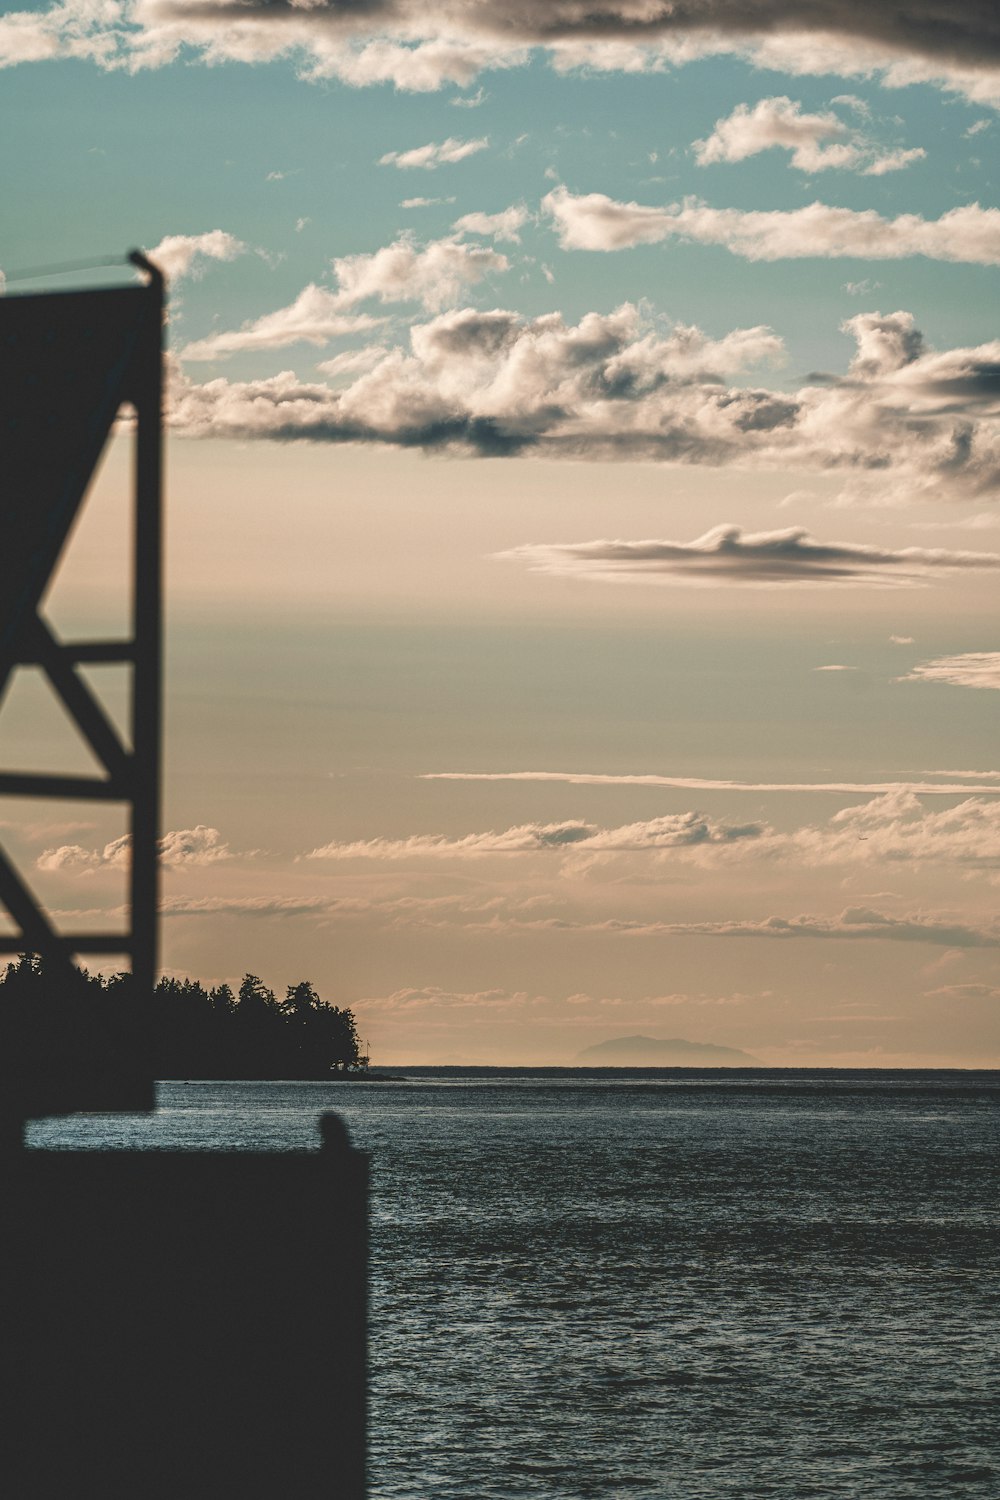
[{"x": 196, "y": 1033}]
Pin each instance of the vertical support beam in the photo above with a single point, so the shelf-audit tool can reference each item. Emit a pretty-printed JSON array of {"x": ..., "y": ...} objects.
[{"x": 147, "y": 677}]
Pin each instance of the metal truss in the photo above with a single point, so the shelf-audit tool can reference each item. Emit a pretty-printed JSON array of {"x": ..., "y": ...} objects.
[{"x": 69, "y": 361}]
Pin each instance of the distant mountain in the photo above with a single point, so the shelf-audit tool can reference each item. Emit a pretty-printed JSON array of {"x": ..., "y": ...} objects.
[{"x": 652, "y": 1052}]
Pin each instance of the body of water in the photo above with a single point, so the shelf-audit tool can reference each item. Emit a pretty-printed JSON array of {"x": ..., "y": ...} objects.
[{"x": 658, "y": 1284}]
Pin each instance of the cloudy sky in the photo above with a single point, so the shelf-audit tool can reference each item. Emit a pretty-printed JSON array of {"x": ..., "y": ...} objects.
[{"x": 583, "y": 474}]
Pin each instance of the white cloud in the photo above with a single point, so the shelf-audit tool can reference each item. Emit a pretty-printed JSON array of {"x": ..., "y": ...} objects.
[
  {"x": 700, "y": 783},
  {"x": 353, "y": 361},
  {"x": 904, "y": 423},
  {"x": 425, "y": 44},
  {"x": 409, "y": 1001},
  {"x": 504, "y": 225},
  {"x": 315, "y": 317},
  {"x": 593, "y": 221},
  {"x": 424, "y": 202},
  {"x": 892, "y": 829},
  {"x": 434, "y": 275},
  {"x": 853, "y": 923},
  {"x": 817, "y": 142},
  {"x": 247, "y": 906},
  {"x": 183, "y": 846},
  {"x": 726, "y": 556},
  {"x": 970, "y": 775},
  {"x": 894, "y": 161},
  {"x": 434, "y": 154},
  {"x": 975, "y": 669},
  {"x": 184, "y": 254},
  {"x": 964, "y": 992},
  {"x": 674, "y": 831}
]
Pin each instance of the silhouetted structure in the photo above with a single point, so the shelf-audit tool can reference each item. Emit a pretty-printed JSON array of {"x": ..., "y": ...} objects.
[
  {"x": 69, "y": 361},
  {"x": 184, "y": 1325},
  {"x": 172, "y": 1324}
]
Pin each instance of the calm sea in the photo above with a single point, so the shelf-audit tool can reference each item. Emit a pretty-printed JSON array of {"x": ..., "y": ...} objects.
[{"x": 660, "y": 1284}]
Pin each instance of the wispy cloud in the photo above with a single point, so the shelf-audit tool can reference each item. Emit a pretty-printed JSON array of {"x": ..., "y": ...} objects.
[
  {"x": 434, "y": 154},
  {"x": 852, "y": 924},
  {"x": 675, "y": 831},
  {"x": 964, "y": 992},
  {"x": 182, "y": 846},
  {"x": 505, "y": 225},
  {"x": 593, "y": 221},
  {"x": 726, "y": 556},
  {"x": 975, "y": 669},
  {"x": 700, "y": 783},
  {"x": 433, "y": 274},
  {"x": 315, "y": 317}
]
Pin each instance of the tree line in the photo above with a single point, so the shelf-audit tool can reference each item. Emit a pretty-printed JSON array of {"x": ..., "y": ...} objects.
[{"x": 194, "y": 1031}]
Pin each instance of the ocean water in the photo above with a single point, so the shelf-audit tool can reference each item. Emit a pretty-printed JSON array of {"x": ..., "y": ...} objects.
[{"x": 659, "y": 1284}]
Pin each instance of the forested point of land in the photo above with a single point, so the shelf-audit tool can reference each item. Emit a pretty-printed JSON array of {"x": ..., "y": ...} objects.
[{"x": 194, "y": 1032}]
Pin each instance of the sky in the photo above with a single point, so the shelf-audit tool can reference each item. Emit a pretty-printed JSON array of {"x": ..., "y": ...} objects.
[{"x": 583, "y": 543}]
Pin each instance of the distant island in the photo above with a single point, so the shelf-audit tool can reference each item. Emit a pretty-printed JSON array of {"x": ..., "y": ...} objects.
[{"x": 653, "y": 1052}]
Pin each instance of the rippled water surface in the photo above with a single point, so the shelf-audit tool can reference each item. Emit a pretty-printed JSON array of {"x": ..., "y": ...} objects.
[{"x": 660, "y": 1285}]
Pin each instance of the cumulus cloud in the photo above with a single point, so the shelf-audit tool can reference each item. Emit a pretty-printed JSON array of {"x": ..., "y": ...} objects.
[
  {"x": 434, "y": 275},
  {"x": 894, "y": 828},
  {"x": 903, "y": 423},
  {"x": 434, "y": 154},
  {"x": 505, "y": 225},
  {"x": 315, "y": 317},
  {"x": 897, "y": 828},
  {"x": 816, "y": 142},
  {"x": 976, "y": 669},
  {"x": 894, "y": 161},
  {"x": 182, "y": 846},
  {"x": 180, "y": 255},
  {"x": 593, "y": 221},
  {"x": 424, "y": 44},
  {"x": 675, "y": 831},
  {"x": 726, "y": 556}
]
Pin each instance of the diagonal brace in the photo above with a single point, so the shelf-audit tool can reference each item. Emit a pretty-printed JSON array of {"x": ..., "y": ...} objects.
[
  {"x": 88, "y": 715},
  {"x": 39, "y": 934}
]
